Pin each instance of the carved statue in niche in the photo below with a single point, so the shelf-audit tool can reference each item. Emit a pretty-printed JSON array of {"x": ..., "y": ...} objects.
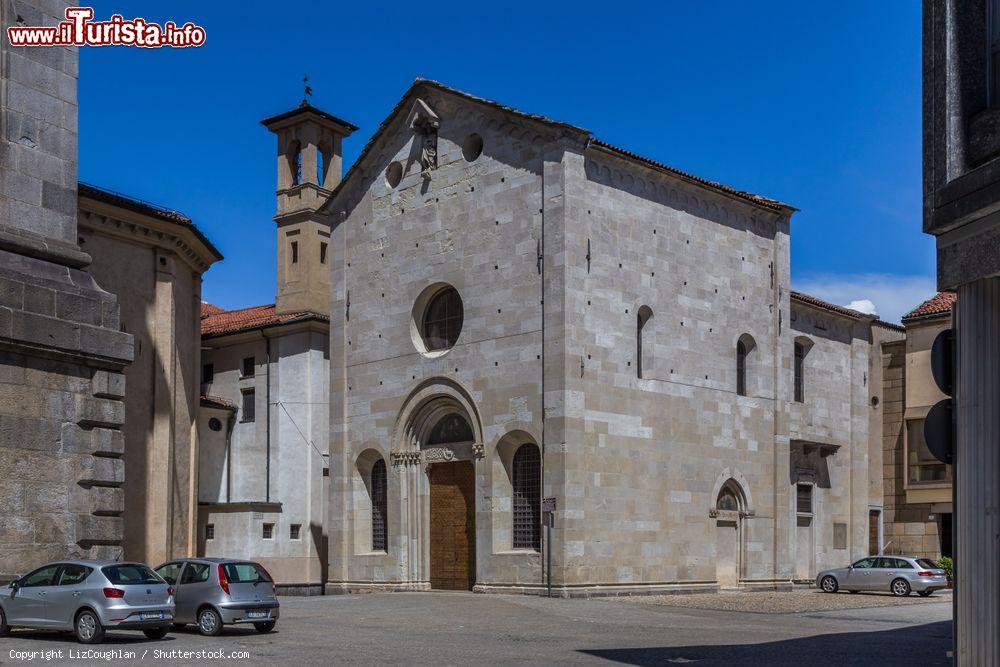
[{"x": 425, "y": 123}]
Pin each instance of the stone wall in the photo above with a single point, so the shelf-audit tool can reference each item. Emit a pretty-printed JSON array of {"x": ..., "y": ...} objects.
[{"x": 61, "y": 351}]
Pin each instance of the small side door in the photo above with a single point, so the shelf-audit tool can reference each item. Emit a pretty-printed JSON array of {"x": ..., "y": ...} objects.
[
  {"x": 30, "y": 600},
  {"x": 859, "y": 576},
  {"x": 64, "y": 597},
  {"x": 171, "y": 573}
]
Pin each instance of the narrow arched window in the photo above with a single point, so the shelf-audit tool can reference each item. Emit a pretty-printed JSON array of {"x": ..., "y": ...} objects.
[
  {"x": 320, "y": 171},
  {"x": 295, "y": 163},
  {"x": 800, "y": 356},
  {"x": 745, "y": 347},
  {"x": 527, "y": 483},
  {"x": 380, "y": 521},
  {"x": 644, "y": 342},
  {"x": 741, "y": 368}
]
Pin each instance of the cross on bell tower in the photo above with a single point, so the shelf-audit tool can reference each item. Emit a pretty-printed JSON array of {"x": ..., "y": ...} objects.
[{"x": 309, "y": 168}]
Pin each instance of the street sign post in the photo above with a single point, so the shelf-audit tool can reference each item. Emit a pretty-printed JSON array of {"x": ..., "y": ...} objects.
[{"x": 548, "y": 517}]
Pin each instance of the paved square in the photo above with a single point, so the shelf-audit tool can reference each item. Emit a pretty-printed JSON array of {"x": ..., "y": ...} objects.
[{"x": 465, "y": 629}]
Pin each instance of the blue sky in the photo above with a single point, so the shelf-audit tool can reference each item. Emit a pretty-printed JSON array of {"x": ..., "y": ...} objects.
[{"x": 816, "y": 104}]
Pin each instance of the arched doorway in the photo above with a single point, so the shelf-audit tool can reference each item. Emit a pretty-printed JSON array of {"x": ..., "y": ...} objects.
[
  {"x": 729, "y": 505},
  {"x": 452, "y": 505},
  {"x": 437, "y": 445}
]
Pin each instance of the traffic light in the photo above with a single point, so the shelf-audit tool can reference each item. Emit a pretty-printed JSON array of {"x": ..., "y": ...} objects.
[{"x": 939, "y": 427}]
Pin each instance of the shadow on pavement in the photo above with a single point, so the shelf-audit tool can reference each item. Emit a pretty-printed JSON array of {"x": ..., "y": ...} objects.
[{"x": 926, "y": 644}]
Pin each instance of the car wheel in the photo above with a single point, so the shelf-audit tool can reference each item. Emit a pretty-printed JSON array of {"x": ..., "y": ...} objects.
[
  {"x": 829, "y": 584},
  {"x": 209, "y": 622},
  {"x": 88, "y": 628},
  {"x": 925, "y": 594},
  {"x": 4, "y": 628},
  {"x": 900, "y": 587},
  {"x": 155, "y": 633},
  {"x": 266, "y": 626}
]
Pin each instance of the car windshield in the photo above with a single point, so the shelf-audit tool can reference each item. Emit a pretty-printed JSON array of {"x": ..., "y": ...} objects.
[
  {"x": 123, "y": 575},
  {"x": 245, "y": 573},
  {"x": 928, "y": 563}
]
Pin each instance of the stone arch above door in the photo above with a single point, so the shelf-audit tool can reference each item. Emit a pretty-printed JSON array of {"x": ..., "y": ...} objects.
[
  {"x": 427, "y": 405},
  {"x": 734, "y": 479}
]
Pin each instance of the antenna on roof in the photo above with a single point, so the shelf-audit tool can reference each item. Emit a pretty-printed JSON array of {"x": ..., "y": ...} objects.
[{"x": 308, "y": 91}]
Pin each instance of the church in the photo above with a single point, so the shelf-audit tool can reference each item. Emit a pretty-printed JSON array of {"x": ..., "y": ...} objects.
[{"x": 522, "y": 311}]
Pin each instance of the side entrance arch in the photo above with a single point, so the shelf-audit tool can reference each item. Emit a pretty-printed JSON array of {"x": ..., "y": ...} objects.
[{"x": 729, "y": 511}]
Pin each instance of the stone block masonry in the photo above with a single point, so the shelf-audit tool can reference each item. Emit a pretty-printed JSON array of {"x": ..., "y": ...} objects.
[{"x": 61, "y": 351}]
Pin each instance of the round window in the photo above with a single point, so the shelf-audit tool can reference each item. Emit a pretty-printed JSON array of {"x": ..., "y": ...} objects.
[
  {"x": 215, "y": 424},
  {"x": 394, "y": 174},
  {"x": 438, "y": 315},
  {"x": 472, "y": 147}
]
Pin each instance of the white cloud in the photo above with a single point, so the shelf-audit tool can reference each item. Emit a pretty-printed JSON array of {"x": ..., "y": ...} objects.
[
  {"x": 891, "y": 296},
  {"x": 863, "y": 306}
]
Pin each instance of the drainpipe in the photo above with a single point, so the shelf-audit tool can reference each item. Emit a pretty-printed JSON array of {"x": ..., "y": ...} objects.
[{"x": 230, "y": 423}]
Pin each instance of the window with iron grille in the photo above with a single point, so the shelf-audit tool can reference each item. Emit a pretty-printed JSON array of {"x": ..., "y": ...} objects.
[
  {"x": 268, "y": 531},
  {"x": 248, "y": 368},
  {"x": 380, "y": 522},
  {"x": 295, "y": 531},
  {"x": 800, "y": 355},
  {"x": 249, "y": 405},
  {"x": 210, "y": 531},
  {"x": 527, "y": 483},
  {"x": 804, "y": 498}
]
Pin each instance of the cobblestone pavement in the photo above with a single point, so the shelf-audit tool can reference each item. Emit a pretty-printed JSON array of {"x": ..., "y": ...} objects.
[
  {"x": 440, "y": 629},
  {"x": 800, "y": 601}
]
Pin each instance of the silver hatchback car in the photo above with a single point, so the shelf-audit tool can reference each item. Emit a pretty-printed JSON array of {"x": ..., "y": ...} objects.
[
  {"x": 896, "y": 574},
  {"x": 214, "y": 592},
  {"x": 89, "y": 597}
]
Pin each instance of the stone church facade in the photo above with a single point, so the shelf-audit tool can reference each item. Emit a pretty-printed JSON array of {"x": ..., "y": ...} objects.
[{"x": 521, "y": 311}]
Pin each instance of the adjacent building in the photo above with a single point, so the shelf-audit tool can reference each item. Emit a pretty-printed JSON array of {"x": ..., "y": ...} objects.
[
  {"x": 62, "y": 353},
  {"x": 918, "y": 487},
  {"x": 265, "y": 377},
  {"x": 522, "y": 311},
  {"x": 153, "y": 259},
  {"x": 961, "y": 84}
]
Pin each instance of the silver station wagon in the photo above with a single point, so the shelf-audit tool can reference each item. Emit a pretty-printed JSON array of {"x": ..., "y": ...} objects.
[
  {"x": 89, "y": 597},
  {"x": 896, "y": 574},
  {"x": 214, "y": 592}
]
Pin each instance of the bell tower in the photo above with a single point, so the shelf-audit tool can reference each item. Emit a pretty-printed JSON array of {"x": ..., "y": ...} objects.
[{"x": 309, "y": 168}]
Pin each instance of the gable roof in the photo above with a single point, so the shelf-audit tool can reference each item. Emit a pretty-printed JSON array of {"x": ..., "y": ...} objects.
[
  {"x": 218, "y": 322},
  {"x": 584, "y": 135},
  {"x": 153, "y": 210},
  {"x": 938, "y": 305},
  {"x": 841, "y": 310}
]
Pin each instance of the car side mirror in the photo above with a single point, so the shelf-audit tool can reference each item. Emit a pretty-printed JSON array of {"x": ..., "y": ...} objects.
[{"x": 14, "y": 585}]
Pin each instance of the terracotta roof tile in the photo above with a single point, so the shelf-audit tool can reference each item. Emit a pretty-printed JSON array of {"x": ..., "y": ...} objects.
[
  {"x": 940, "y": 304},
  {"x": 226, "y": 322},
  {"x": 216, "y": 402},
  {"x": 209, "y": 309}
]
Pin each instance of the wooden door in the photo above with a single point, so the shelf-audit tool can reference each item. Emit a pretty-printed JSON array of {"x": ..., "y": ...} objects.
[
  {"x": 453, "y": 526},
  {"x": 873, "y": 545}
]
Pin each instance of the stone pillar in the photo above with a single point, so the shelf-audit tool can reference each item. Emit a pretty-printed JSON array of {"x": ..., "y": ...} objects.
[
  {"x": 977, "y": 474},
  {"x": 61, "y": 351}
]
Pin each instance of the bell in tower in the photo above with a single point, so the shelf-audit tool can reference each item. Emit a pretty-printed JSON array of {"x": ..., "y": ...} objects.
[{"x": 309, "y": 168}]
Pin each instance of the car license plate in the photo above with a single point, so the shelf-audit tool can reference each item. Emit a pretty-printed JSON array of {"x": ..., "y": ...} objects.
[
  {"x": 150, "y": 615},
  {"x": 256, "y": 614}
]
